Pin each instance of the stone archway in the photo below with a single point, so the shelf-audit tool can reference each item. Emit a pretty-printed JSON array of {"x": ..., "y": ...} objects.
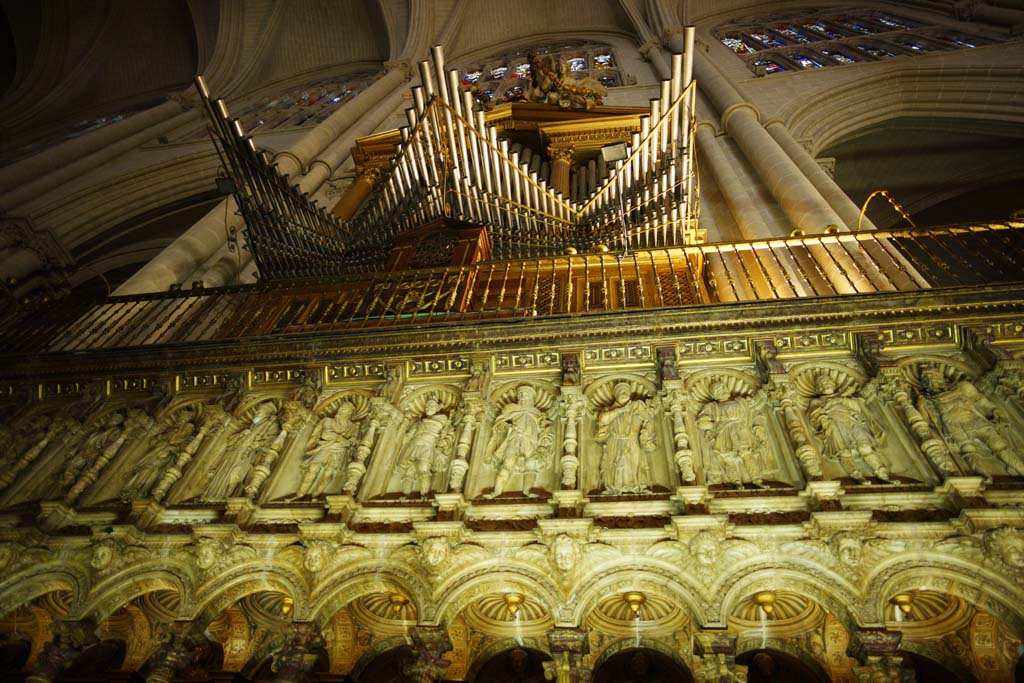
[
  {"x": 641, "y": 665},
  {"x": 515, "y": 665},
  {"x": 388, "y": 667},
  {"x": 773, "y": 666}
]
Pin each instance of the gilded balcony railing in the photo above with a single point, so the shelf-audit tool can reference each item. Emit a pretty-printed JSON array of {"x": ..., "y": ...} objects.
[{"x": 819, "y": 266}]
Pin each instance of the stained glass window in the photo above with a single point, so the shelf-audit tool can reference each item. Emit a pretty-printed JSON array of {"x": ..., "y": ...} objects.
[
  {"x": 806, "y": 62},
  {"x": 784, "y": 43},
  {"x": 522, "y": 70},
  {"x": 839, "y": 57},
  {"x": 768, "y": 65},
  {"x": 305, "y": 105},
  {"x": 577, "y": 63},
  {"x": 768, "y": 40},
  {"x": 876, "y": 51},
  {"x": 821, "y": 27},
  {"x": 603, "y": 61},
  {"x": 498, "y": 73},
  {"x": 471, "y": 77},
  {"x": 737, "y": 46}
]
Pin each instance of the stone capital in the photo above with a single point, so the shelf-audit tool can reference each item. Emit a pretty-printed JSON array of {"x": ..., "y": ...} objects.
[{"x": 873, "y": 642}]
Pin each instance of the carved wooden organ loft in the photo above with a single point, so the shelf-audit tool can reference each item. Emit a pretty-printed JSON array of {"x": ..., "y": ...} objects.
[{"x": 450, "y": 164}]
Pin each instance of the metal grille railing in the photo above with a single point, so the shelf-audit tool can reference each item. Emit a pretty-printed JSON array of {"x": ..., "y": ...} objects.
[{"x": 820, "y": 266}]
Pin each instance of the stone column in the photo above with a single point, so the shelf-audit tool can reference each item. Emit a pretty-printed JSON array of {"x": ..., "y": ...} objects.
[
  {"x": 13, "y": 200},
  {"x": 751, "y": 224},
  {"x": 182, "y": 641},
  {"x": 715, "y": 658},
  {"x": 568, "y": 648},
  {"x": 355, "y": 195},
  {"x": 297, "y": 657},
  {"x": 876, "y": 650},
  {"x": 429, "y": 645},
  {"x": 822, "y": 181},
  {"x": 561, "y": 159},
  {"x": 198, "y": 249},
  {"x": 799, "y": 200},
  {"x": 70, "y": 639},
  {"x": 24, "y": 171}
]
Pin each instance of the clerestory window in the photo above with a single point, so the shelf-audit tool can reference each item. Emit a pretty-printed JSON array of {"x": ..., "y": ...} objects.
[{"x": 807, "y": 40}]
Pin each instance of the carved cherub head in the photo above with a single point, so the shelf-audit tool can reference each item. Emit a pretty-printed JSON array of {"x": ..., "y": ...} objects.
[
  {"x": 435, "y": 552},
  {"x": 704, "y": 548},
  {"x": 564, "y": 552},
  {"x": 1007, "y": 545},
  {"x": 848, "y": 548}
]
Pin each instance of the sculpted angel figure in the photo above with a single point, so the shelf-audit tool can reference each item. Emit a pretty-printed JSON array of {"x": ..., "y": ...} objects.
[
  {"x": 521, "y": 442},
  {"x": 427, "y": 449},
  {"x": 970, "y": 423},
  {"x": 848, "y": 435},
  {"x": 626, "y": 429},
  {"x": 172, "y": 434},
  {"x": 327, "y": 450},
  {"x": 225, "y": 480},
  {"x": 736, "y": 438}
]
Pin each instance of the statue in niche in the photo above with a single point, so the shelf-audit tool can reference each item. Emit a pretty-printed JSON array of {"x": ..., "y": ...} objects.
[
  {"x": 521, "y": 442},
  {"x": 103, "y": 436},
  {"x": 626, "y": 429},
  {"x": 736, "y": 439},
  {"x": 327, "y": 451},
  {"x": 172, "y": 435},
  {"x": 848, "y": 435},
  {"x": 427, "y": 450},
  {"x": 971, "y": 425},
  {"x": 244, "y": 452}
]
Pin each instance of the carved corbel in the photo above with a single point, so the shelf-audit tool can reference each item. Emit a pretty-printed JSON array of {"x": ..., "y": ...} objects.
[
  {"x": 182, "y": 644},
  {"x": 876, "y": 650},
  {"x": 429, "y": 645},
  {"x": 297, "y": 657},
  {"x": 978, "y": 346},
  {"x": 70, "y": 639},
  {"x": 765, "y": 355},
  {"x": 867, "y": 349},
  {"x": 568, "y": 648},
  {"x": 715, "y": 655}
]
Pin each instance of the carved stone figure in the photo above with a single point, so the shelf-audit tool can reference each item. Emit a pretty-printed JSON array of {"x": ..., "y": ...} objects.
[
  {"x": 735, "y": 436},
  {"x": 328, "y": 450},
  {"x": 103, "y": 436},
  {"x": 626, "y": 429},
  {"x": 172, "y": 434},
  {"x": 427, "y": 450},
  {"x": 521, "y": 443},
  {"x": 971, "y": 424},
  {"x": 310, "y": 389},
  {"x": 225, "y": 480},
  {"x": 848, "y": 435},
  {"x": 552, "y": 84}
]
